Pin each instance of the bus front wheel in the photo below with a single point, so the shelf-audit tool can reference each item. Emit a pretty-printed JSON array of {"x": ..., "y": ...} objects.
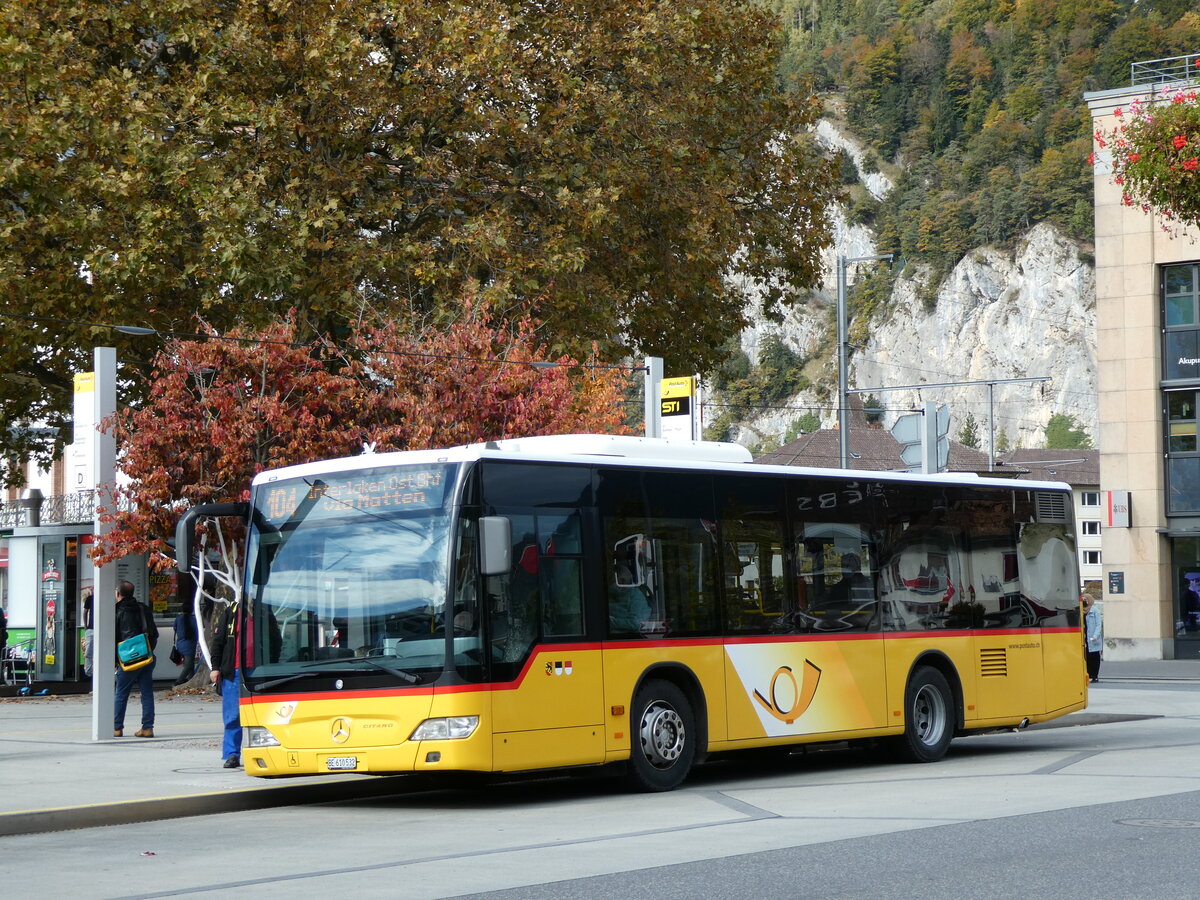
[
  {"x": 664, "y": 737},
  {"x": 928, "y": 717}
]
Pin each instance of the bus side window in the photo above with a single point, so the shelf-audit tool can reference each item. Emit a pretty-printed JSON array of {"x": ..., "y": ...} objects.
[{"x": 561, "y": 575}]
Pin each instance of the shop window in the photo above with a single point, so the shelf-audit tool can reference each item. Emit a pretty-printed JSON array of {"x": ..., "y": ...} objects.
[{"x": 1185, "y": 565}]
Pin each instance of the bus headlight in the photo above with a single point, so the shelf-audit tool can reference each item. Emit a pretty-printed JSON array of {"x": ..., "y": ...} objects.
[
  {"x": 259, "y": 737},
  {"x": 451, "y": 728}
]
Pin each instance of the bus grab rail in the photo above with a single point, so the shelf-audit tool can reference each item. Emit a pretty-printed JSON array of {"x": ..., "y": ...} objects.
[{"x": 185, "y": 531}]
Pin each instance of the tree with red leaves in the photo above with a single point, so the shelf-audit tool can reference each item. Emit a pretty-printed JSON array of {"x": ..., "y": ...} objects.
[{"x": 221, "y": 410}]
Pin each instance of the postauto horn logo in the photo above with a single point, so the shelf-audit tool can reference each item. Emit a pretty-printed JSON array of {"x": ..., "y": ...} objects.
[{"x": 801, "y": 695}]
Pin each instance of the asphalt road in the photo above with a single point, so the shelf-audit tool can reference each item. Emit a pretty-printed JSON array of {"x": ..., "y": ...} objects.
[{"x": 1106, "y": 808}]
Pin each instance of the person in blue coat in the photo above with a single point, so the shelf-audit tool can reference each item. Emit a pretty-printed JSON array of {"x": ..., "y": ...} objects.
[
  {"x": 1093, "y": 635},
  {"x": 225, "y": 676},
  {"x": 185, "y": 642}
]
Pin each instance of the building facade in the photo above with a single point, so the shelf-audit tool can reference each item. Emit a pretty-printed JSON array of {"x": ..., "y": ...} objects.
[{"x": 1148, "y": 358}]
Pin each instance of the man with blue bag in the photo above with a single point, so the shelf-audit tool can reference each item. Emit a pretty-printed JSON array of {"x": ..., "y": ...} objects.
[{"x": 136, "y": 636}]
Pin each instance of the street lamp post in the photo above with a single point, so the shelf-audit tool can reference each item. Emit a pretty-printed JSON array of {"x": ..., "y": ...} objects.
[
  {"x": 653, "y": 410},
  {"x": 104, "y": 459}
]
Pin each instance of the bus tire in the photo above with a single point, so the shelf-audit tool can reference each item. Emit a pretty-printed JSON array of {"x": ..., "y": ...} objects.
[
  {"x": 928, "y": 718},
  {"x": 663, "y": 738}
]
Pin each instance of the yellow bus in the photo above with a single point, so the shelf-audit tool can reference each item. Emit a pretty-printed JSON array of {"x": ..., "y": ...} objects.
[{"x": 581, "y": 600}]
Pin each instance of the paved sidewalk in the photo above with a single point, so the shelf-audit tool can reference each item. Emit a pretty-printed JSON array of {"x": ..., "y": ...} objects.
[{"x": 54, "y": 777}]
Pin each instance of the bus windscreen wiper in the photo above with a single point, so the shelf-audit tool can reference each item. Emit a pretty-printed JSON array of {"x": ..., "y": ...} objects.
[
  {"x": 407, "y": 677},
  {"x": 342, "y": 667}
]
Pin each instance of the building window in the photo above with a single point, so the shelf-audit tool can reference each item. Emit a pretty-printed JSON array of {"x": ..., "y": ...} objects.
[
  {"x": 1089, "y": 498},
  {"x": 1181, "y": 421},
  {"x": 1089, "y": 526},
  {"x": 1091, "y": 557},
  {"x": 1183, "y": 452},
  {"x": 1181, "y": 321}
]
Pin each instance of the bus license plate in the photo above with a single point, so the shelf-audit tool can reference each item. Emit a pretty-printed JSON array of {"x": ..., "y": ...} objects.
[{"x": 341, "y": 762}]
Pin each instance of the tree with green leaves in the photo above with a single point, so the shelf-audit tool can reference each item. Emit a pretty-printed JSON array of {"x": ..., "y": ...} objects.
[
  {"x": 806, "y": 424},
  {"x": 968, "y": 434},
  {"x": 603, "y": 167},
  {"x": 1063, "y": 432}
]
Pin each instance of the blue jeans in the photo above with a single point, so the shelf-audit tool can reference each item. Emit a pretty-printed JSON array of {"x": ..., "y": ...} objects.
[
  {"x": 231, "y": 742},
  {"x": 144, "y": 679}
]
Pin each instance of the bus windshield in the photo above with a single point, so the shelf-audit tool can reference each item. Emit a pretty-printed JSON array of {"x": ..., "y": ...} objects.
[{"x": 348, "y": 577}]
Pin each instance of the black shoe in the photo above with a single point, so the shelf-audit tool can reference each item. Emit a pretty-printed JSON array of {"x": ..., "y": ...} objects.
[{"x": 232, "y": 763}]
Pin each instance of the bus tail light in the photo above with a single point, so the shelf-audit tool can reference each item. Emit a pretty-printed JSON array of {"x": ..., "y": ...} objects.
[{"x": 451, "y": 728}]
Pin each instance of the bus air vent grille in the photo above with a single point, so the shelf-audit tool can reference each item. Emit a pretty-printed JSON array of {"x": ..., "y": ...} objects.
[
  {"x": 1051, "y": 507},
  {"x": 993, "y": 662}
]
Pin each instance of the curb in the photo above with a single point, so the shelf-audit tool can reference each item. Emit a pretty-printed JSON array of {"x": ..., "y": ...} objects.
[{"x": 67, "y": 818}]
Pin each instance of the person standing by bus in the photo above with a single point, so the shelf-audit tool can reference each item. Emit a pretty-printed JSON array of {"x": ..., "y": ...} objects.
[
  {"x": 89, "y": 632},
  {"x": 132, "y": 619},
  {"x": 185, "y": 643},
  {"x": 1093, "y": 635},
  {"x": 225, "y": 676}
]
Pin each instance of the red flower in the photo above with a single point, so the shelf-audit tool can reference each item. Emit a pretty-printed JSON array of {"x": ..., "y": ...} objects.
[
  {"x": 1190, "y": 164},
  {"x": 1179, "y": 141},
  {"x": 1134, "y": 157}
]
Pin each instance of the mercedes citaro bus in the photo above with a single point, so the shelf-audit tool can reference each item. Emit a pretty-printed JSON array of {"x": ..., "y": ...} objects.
[{"x": 580, "y": 600}]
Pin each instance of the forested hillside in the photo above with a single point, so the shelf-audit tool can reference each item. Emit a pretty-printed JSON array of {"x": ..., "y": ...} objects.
[{"x": 975, "y": 106}]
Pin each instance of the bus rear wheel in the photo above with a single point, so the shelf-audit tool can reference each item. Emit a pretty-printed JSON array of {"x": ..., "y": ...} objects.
[
  {"x": 928, "y": 718},
  {"x": 664, "y": 737}
]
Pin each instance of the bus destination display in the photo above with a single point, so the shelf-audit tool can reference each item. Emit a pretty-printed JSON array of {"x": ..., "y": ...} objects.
[{"x": 374, "y": 490}]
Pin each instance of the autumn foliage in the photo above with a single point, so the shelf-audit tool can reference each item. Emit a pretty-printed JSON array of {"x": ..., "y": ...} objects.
[
  {"x": 604, "y": 165},
  {"x": 220, "y": 410}
]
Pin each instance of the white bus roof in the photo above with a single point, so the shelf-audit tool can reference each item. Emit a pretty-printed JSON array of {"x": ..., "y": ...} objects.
[{"x": 667, "y": 452}]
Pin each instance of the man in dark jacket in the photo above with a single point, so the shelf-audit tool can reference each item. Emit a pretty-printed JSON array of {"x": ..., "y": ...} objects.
[
  {"x": 225, "y": 675},
  {"x": 132, "y": 619}
]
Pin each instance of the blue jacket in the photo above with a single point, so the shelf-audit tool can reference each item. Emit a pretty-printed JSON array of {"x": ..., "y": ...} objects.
[{"x": 185, "y": 632}]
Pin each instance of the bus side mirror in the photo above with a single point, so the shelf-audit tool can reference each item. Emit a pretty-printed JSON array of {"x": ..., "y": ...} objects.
[{"x": 495, "y": 545}]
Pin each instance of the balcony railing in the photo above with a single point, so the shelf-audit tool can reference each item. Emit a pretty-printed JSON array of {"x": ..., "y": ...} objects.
[
  {"x": 1177, "y": 70},
  {"x": 78, "y": 508}
]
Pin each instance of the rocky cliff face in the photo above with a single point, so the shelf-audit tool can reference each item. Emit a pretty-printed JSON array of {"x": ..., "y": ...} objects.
[{"x": 1025, "y": 312}]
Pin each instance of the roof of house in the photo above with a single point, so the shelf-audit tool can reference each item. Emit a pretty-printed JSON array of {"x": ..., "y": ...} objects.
[
  {"x": 1075, "y": 467},
  {"x": 871, "y": 449},
  {"x": 874, "y": 449}
]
